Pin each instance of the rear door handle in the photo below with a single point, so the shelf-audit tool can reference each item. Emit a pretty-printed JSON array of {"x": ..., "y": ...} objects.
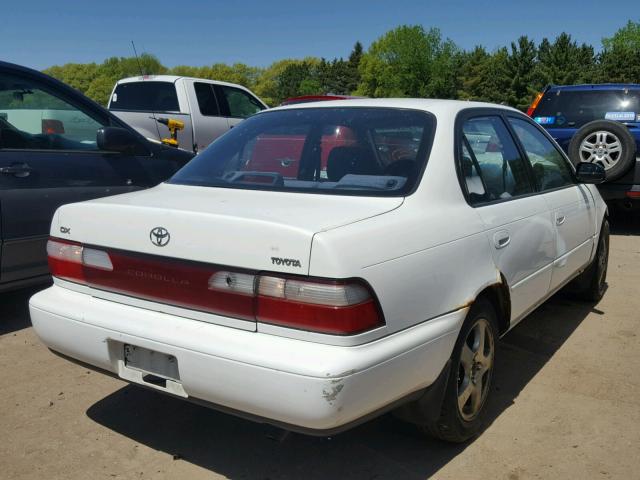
[
  {"x": 560, "y": 218},
  {"x": 17, "y": 170},
  {"x": 501, "y": 239}
]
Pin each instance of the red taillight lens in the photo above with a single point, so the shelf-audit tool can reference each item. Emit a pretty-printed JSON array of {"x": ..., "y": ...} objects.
[
  {"x": 534, "y": 104},
  {"x": 633, "y": 194},
  {"x": 65, "y": 260},
  {"x": 337, "y": 307},
  {"x": 341, "y": 307},
  {"x": 171, "y": 281}
]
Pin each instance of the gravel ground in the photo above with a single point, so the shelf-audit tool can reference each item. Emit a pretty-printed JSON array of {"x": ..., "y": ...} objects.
[{"x": 566, "y": 405}]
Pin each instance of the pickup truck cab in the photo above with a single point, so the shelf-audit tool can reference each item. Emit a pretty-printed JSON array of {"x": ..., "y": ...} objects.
[{"x": 207, "y": 108}]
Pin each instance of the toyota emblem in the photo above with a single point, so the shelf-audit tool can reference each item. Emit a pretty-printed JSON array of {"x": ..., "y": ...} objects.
[{"x": 159, "y": 236}]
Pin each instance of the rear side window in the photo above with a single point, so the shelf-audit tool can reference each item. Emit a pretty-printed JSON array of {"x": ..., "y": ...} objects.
[
  {"x": 491, "y": 164},
  {"x": 241, "y": 104},
  {"x": 145, "y": 97},
  {"x": 362, "y": 151},
  {"x": 550, "y": 169},
  {"x": 573, "y": 109},
  {"x": 206, "y": 99}
]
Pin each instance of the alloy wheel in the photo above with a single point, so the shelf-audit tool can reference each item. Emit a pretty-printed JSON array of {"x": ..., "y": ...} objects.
[
  {"x": 601, "y": 147},
  {"x": 475, "y": 369}
]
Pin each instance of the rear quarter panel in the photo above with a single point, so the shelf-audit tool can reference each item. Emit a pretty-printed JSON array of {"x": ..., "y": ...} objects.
[{"x": 420, "y": 264}]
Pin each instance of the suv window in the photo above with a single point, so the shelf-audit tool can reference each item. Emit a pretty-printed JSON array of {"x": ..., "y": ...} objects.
[
  {"x": 362, "y": 151},
  {"x": 145, "y": 96},
  {"x": 492, "y": 167},
  {"x": 575, "y": 108},
  {"x": 241, "y": 104},
  {"x": 32, "y": 118},
  {"x": 550, "y": 169},
  {"x": 206, "y": 99}
]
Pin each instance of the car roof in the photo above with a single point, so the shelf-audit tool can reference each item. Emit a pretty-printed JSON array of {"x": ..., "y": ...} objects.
[
  {"x": 173, "y": 79},
  {"x": 595, "y": 86},
  {"x": 317, "y": 98},
  {"x": 435, "y": 106}
]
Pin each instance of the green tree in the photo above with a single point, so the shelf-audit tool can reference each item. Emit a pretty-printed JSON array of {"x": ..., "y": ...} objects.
[
  {"x": 472, "y": 74},
  {"x": 353, "y": 69},
  {"x": 408, "y": 62},
  {"x": 619, "y": 60},
  {"x": 521, "y": 65},
  {"x": 239, "y": 73},
  {"x": 266, "y": 86},
  {"x": 77, "y": 75},
  {"x": 485, "y": 76},
  {"x": 564, "y": 62},
  {"x": 299, "y": 78}
]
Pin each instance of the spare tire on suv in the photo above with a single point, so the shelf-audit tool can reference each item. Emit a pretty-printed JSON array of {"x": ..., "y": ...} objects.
[{"x": 607, "y": 143}]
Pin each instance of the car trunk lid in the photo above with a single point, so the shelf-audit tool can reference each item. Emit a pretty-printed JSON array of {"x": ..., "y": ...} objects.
[{"x": 214, "y": 228}]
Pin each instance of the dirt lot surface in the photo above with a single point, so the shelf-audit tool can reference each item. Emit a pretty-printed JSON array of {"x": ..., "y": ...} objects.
[{"x": 566, "y": 405}]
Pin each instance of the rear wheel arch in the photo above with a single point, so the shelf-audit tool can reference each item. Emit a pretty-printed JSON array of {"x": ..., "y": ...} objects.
[{"x": 499, "y": 296}]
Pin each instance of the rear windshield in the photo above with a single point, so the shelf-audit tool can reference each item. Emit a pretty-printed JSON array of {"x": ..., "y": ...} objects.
[
  {"x": 145, "y": 97},
  {"x": 363, "y": 151},
  {"x": 573, "y": 109}
]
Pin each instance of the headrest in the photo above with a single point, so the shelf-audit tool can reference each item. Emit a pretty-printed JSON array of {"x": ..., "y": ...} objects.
[{"x": 354, "y": 160}]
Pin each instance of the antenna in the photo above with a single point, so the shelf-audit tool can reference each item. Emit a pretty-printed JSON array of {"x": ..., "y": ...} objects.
[{"x": 135, "y": 52}]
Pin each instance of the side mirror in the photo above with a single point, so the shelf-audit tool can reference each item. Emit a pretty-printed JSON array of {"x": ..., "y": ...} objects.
[
  {"x": 590, "y": 172},
  {"x": 115, "y": 139}
]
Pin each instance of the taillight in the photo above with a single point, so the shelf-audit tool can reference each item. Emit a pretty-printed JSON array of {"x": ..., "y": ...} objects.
[
  {"x": 534, "y": 104},
  {"x": 338, "y": 307},
  {"x": 341, "y": 307},
  {"x": 65, "y": 260},
  {"x": 633, "y": 194}
]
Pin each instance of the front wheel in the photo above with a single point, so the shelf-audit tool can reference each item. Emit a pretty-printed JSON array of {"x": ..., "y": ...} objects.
[{"x": 462, "y": 414}]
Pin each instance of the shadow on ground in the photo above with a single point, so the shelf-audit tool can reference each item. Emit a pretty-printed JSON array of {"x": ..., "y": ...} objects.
[
  {"x": 14, "y": 310},
  {"x": 382, "y": 448},
  {"x": 625, "y": 223}
]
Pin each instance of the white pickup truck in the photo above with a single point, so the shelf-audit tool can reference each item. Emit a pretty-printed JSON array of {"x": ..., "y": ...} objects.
[{"x": 207, "y": 108}]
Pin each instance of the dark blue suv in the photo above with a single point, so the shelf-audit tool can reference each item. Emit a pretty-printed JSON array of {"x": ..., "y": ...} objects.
[{"x": 600, "y": 124}]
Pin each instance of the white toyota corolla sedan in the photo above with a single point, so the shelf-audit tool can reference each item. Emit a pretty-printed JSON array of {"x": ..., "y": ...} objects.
[{"x": 323, "y": 263}]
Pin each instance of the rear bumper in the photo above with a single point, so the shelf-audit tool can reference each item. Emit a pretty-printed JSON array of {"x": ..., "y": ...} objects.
[{"x": 280, "y": 380}]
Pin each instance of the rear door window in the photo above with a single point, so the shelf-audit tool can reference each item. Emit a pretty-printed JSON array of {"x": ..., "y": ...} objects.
[
  {"x": 207, "y": 102},
  {"x": 573, "y": 109},
  {"x": 145, "y": 96},
  {"x": 550, "y": 169},
  {"x": 491, "y": 164},
  {"x": 241, "y": 104}
]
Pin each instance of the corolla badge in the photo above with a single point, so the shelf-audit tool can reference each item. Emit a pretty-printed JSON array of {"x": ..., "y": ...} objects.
[{"x": 159, "y": 236}]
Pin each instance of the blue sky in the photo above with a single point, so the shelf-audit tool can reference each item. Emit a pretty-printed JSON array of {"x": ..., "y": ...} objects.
[{"x": 39, "y": 33}]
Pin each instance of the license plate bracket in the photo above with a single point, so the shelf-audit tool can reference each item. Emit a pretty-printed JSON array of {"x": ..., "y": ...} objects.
[{"x": 150, "y": 368}]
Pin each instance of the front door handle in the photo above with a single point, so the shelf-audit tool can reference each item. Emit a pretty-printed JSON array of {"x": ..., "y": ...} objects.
[
  {"x": 17, "y": 170},
  {"x": 560, "y": 218},
  {"x": 501, "y": 239}
]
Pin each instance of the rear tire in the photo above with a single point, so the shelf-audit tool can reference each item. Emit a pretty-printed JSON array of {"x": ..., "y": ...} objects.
[
  {"x": 591, "y": 284},
  {"x": 463, "y": 411},
  {"x": 605, "y": 142}
]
